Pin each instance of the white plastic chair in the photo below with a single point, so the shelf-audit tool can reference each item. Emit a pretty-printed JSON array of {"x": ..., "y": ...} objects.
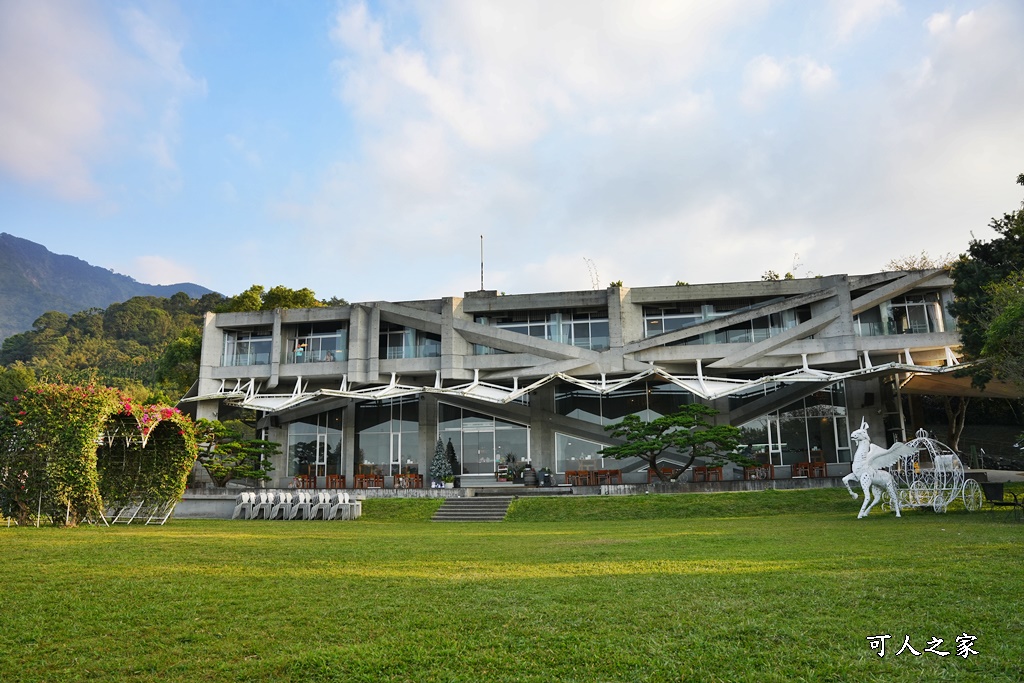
[
  {"x": 322, "y": 507},
  {"x": 301, "y": 508},
  {"x": 341, "y": 509},
  {"x": 244, "y": 503},
  {"x": 282, "y": 507},
  {"x": 264, "y": 506}
]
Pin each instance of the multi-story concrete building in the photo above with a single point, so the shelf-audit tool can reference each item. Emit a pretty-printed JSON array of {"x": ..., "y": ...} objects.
[{"x": 369, "y": 387}]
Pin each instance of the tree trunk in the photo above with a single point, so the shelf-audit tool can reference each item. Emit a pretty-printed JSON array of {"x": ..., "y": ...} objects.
[{"x": 956, "y": 414}]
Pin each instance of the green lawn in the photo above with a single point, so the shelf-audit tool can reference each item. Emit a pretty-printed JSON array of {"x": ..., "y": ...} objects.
[{"x": 770, "y": 586}]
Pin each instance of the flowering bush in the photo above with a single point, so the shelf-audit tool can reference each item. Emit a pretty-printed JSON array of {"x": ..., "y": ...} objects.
[{"x": 70, "y": 451}]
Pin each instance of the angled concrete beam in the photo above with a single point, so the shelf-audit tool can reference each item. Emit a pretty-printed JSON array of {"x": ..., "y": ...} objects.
[
  {"x": 514, "y": 342},
  {"x": 726, "y": 321},
  {"x": 763, "y": 347},
  {"x": 901, "y": 286}
]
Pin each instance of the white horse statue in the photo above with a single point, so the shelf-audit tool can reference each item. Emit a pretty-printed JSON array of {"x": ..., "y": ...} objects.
[{"x": 868, "y": 462}]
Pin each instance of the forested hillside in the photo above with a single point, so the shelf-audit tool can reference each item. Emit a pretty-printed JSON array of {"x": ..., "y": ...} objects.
[
  {"x": 147, "y": 346},
  {"x": 34, "y": 280}
]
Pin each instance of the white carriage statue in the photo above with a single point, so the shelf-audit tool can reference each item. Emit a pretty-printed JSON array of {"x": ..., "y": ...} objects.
[
  {"x": 932, "y": 475},
  {"x": 919, "y": 473}
]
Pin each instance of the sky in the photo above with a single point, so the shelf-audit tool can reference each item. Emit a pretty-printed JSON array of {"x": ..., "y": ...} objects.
[{"x": 362, "y": 149}]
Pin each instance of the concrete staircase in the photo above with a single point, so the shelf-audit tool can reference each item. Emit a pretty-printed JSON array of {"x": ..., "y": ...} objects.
[{"x": 474, "y": 509}]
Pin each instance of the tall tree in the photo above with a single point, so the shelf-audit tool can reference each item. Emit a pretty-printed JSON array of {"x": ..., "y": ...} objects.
[
  {"x": 1004, "y": 337},
  {"x": 985, "y": 264},
  {"x": 687, "y": 431}
]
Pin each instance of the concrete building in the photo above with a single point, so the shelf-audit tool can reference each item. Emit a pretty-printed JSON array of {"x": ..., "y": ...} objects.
[{"x": 368, "y": 388}]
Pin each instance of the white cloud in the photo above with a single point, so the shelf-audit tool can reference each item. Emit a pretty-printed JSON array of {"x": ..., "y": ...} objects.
[
  {"x": 244, "y": 150},
  {"x": 613, "y": 138},
  {"x": 159, "y": 270},
  {"x": 853, "y": 17},
  {"x": 52, "y": 111},
  {"x": 765, "y": 76},
  {"x": 71, "y": 93}
]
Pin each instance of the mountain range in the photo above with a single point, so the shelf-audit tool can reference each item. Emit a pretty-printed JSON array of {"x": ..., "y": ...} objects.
[{"x": 34, "y": 280}]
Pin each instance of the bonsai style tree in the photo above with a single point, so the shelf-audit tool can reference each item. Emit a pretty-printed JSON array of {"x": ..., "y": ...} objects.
[
  {"x": 686, "y": 430},
  {"x": 440, "y": 466},
  {"x": 226, "y": 455}
]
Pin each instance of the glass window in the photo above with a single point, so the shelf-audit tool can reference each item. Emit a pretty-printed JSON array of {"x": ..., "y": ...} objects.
[
  {"x": 916, "y": 314},
  {"x": 315, "y": 445},
  {"x": 397, "y": 341},
  {"x": 482, "y": 441},
  {"x": 813, "y": 428},
  {"x": 318, "y": 343},
  {"x": 586, "y": 328},
  {"x": 387, "y": 437},
  {"x": 247, "y": 347}
]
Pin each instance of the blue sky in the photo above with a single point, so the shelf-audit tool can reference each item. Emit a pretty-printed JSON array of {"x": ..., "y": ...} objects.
[{"x": 361, "y": 148}]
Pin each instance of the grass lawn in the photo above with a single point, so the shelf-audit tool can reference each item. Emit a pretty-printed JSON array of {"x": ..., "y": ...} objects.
[{"x": 769, "y": 586}]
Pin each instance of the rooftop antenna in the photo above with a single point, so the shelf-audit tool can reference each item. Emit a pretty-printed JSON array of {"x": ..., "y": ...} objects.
[
  {"x": 595, "y": 280},
  {"x": 481, "y": 263}
]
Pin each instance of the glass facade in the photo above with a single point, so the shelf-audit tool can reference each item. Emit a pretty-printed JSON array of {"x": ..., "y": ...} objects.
[
  {"x": 315, "y": 445},
  {"x": 661, "y": 319},
  {"x": 317, "y": 343},
  {"x": 397, "y": 341},
  {"x": 482, "y": 441},
  {"x": 649, "y": 400},
  {"x": 909, "y": 314},
  {"x": 387, "y": 437},
  {"x": 247, "y": 347},
  {"x": 586, "y": 328},
  {"x": 813, "y": 428},
  {"x": 574, "y": 453}
]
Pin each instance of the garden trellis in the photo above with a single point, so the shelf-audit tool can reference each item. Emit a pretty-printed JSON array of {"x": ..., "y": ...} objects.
[{"x": 76, "y": 454}]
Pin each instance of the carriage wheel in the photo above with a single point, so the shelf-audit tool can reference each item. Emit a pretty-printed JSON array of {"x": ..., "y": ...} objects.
[
  {"x": 973, "y": 497},
  {"x": 940, "y": 502}
]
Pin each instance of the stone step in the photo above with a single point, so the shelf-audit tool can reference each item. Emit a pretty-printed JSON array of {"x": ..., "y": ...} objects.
[{"x": 490, "y": 509}]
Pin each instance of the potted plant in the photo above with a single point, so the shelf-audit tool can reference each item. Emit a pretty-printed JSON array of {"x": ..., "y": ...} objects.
[
  {"x": 545, "y": 476},
  {"x": 449, "y": 481}
]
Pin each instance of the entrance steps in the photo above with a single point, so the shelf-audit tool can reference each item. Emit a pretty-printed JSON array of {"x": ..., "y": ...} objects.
[{"x": 483, "y": 509}]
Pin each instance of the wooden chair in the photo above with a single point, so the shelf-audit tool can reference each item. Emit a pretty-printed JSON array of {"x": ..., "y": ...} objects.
[
  {"x": 667, "y": 472},
  {"x": 335, "y": 481}
]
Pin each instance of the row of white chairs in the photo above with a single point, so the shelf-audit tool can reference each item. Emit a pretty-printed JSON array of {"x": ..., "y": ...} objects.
[{"x": 296, "y": 505}]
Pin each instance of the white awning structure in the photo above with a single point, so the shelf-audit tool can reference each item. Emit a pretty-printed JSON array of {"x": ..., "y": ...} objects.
[{"x": 247, "y": 394}]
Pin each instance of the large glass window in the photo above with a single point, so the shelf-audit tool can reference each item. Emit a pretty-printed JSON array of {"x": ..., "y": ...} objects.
[
  {"x": 315, "y": 445},
  {"x": 649, "y": 400},
  {"x": 908, "y": 314},
  {"x": 482, "y": 441},
  {"x": 397, "y": 341},
  {"x": 387, "y": 437},
  {"x": 916, "y": 314},
  {"x": 661, "y": 319},
  {"x": 318, "y": 343},
  {"x": 586, "y": 328},
  {"x": 247, "y": 347},
  {"x": 814, "y": 428}
]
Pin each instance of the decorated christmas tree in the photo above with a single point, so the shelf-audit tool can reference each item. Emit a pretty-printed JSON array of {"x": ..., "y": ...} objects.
[{"x": 440, "y": 466}]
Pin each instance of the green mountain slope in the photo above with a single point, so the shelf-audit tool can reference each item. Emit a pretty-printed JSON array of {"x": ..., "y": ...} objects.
[{"x": 34, "y": 280}]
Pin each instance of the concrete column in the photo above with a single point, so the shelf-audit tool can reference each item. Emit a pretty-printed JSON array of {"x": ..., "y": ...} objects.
[
  {"x": 454, "y": 349},
  {"x": 542, "y": 435}
]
